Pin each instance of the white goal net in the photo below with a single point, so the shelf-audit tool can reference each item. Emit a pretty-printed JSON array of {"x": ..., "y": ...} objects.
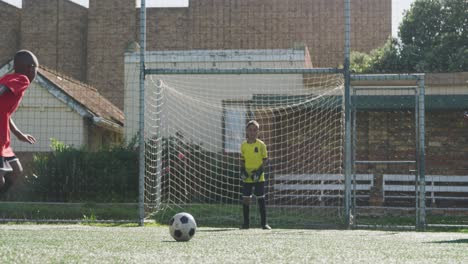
[{"x": 194, "y": 127}]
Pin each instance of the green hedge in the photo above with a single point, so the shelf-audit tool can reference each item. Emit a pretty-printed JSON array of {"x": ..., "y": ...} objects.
[
  {"x": 69, "y": 174},
  {"x": 110, "y": 175}
]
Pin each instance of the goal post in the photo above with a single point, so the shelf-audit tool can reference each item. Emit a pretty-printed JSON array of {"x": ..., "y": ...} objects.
[
  {"x": 141, "y": 112},
  {"x": 195, "y": 121}
]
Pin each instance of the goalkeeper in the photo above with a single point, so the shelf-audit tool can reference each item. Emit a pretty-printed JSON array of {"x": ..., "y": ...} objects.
[{"x": 253, "y": 159}]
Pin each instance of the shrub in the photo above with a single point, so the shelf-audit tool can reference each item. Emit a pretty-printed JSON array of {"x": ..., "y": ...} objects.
[{"x": 69, "y": 174}]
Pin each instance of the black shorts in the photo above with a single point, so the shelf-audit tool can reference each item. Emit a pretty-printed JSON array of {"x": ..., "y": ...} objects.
[
  {"x": 5, "y": 163},
  {"x": 10, "y": 159},
  {"x": 259, "y": 188}
]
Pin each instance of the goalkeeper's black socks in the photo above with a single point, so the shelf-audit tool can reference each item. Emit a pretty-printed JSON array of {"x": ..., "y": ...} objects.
[
  {"x": 261, "y": 206},
  {"x": 246, "y": 212}
]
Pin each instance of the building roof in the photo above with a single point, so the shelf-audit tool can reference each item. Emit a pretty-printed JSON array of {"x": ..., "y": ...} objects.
[
  {"x": 299, "y": 54},
  {"x": 80, "y": 97},
  {"x": 3, "y": 3},
  {"x": 87, "y": 96}
]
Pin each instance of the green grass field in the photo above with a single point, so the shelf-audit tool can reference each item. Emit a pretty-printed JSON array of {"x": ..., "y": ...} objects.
[{"x": 28, "y": 243}]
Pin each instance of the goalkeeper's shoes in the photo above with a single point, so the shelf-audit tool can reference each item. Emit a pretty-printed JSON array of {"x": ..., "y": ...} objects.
[
  {"x": 245, "y": 226},
  {"x": 266, "y": 227}
]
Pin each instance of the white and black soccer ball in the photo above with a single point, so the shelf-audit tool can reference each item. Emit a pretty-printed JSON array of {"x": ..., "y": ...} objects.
[{"x": 182, "y": 226}]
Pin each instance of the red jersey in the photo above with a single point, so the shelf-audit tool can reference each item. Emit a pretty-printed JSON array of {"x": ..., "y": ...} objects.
[{"x": 9, "y": 101}]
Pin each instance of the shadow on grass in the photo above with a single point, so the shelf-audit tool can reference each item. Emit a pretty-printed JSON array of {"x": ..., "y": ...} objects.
[
  {"x": 456, "y": 241},
  {"x": 216, "y": 230}
]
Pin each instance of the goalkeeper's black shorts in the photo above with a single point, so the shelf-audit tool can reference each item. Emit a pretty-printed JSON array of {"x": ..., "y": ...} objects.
[{"x": 259, "y": 188}]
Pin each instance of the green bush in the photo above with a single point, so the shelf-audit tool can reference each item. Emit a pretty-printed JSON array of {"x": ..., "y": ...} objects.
[{"x": 69, "y": 174}]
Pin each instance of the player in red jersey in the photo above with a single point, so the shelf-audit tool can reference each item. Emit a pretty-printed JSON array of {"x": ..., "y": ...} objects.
[{"x": 12, "y": 88}]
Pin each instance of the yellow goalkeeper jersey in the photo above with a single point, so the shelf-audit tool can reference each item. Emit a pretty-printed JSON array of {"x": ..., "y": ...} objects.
[{"x": 253, "y": 155}]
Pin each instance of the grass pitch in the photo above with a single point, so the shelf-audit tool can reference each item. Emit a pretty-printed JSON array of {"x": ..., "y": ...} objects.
[{"x": 27, "y": 243}]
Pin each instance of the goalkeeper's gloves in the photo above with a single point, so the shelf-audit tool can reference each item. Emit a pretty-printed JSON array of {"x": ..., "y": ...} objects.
[
  {"x": 256, "y": 174},
  {"x": 243, "y": 174}
]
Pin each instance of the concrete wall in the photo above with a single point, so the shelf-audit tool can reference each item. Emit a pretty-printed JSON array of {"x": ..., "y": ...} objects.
[{"x": 44, "y": 116}]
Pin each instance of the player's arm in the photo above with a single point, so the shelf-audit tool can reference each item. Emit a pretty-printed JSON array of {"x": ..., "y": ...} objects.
[
  {"x": 243, "y": 171},
  {"x": 22, "y": 137}
]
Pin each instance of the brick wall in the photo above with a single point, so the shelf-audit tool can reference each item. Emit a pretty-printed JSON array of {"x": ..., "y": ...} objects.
[
  {"x": 10, "y": 24},
  {"x": 73, "y": 32},
  {"x": 88, "y": 44},
  {"x": 270, "y": 24},
  {"x": 112, "y": 26},
  {"x": 371, "y": 24},
  {"x": 390, "y": 135},
  {"x": 446, "y": 143},
  {"x": 55, "y": 30}
]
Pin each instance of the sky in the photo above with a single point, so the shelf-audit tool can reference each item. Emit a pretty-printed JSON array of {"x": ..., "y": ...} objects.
[
  {"x": 149, "y": 3},
  {"x": 398, "y": 6}
]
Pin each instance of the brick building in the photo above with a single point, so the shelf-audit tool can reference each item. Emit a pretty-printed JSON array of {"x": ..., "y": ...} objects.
[{"x": 89, "y": 43}]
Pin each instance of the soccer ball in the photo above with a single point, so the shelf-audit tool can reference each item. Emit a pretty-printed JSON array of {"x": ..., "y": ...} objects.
[{"x": 182, "y": 226}]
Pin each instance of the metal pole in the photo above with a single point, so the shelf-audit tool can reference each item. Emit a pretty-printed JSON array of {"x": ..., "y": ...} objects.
[
  {"x": 416, "y": 157},
  {"x": 141, "y": 161},
  {"x": 353, "y": 153},
  {"x": 422, "y": 157},
  {"x": 347, "y": 113},
  {"x": 386, "y": 77}
]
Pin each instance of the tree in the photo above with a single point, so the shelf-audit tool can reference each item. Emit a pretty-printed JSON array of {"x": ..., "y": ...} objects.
[
  {"x": 381, "y": 60},
  {"x": 433, "y": 38},
  {"x": 360, "y": 62}
]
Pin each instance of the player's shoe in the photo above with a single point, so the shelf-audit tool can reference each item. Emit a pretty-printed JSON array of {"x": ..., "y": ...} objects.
[
  {"x": 244, "y": 226},
  {"x": 266, "y": 227}
]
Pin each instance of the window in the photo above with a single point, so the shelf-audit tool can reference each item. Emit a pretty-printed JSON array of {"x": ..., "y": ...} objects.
[{"x": 235, "y": 116}]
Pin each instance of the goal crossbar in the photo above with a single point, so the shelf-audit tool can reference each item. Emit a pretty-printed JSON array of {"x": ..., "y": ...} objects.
[
  {"x": 243, "y": 71},
  {"x": 387, "y": 77}
]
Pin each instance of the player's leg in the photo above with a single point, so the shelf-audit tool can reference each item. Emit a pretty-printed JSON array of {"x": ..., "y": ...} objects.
[
  {"x": 2, "y": 180},
  {"x": 246, "y": 199},
  {"x": 260, "y": 194},
  {"x": 5, "y": 168},
  {"x": 11, "y": 177}
]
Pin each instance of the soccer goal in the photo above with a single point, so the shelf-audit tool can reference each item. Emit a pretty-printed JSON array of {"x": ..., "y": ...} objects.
[
  {"x": 195, "y": 123},
  {"x": 191, "y": 116}
]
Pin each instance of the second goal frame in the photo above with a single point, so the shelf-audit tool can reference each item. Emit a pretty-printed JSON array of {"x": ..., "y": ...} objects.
[{"x": 379, "y": 87}]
